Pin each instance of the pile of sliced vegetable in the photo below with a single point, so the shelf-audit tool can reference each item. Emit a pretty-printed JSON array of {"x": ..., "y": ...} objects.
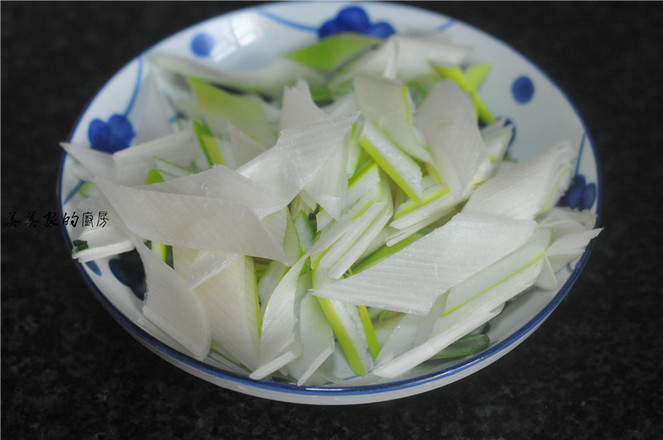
[{"x": 346, "y": 208}]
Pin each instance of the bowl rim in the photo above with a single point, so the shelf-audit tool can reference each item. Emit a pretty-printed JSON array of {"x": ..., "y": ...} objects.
[{"x": 354, "y": 394}]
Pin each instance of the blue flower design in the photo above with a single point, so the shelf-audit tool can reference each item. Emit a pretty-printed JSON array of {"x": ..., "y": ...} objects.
[
  {"x": 117, "y": 133},
  {"x": 128, "y": 269},
  {"x": 111, "y": 136},
  {"x": 202, "y": 44},
  {"x": 355, "y": 19},
  {"x": 580, "y": 195},
  {"x": 94, "y": 267},
  {"x": 522, "y": 89}
]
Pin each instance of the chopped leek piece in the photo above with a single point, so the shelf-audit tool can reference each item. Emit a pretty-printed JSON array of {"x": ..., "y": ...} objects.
[
  {"x": 465, "y": 346},
  {"x": 153, "y": 176},
  {"x": 403, "y": 170},
  {"x": 456, "y": 74},
  {"x": 209, "y": 146},
  {"x": 331, "y": 52},
  {"x": 446, "y": 118},
  {"x": 387, "y": 104},
  {"x": 79, "y": 245},
  {"x": 221, "y": 108}
]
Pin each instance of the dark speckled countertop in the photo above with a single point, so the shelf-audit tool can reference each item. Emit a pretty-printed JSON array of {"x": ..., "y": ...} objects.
[{"x": 591, "y": 371}]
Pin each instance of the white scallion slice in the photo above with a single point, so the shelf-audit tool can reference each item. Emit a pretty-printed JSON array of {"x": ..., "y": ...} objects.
[
  {"x": 361, "y": 244},
  {"x": 171, "y": 168},
  {"x": 269, "y": 79},
  {"x": 496, "y": 137},
  {"x": 220, "y": 108},
  {"x": 278, "y": 342},
  {"x": 333, "y": 233},
  {"x": 155, "y": 121},
  {"x": 305, "y": 231},
  {"x": 414, "y": 55},
  {"x": 192, "y": 221},
  {"x": 291, "y": 241},
  {"x": 183, "y": 258},
  {"x": 348, "y": 327},
  {"x": 388, "y": 105},
  {"x": 333, "y": 259},
  {"x": 131, "y": 163},
  {"x": 344, "y": 104},
  {"x": 287, "y": 167},
  {"x": 356, "y": 241},
  {"x": 411, "y": 330},
  {"x": 231, "y": 304},
  {"x": 224, "y": 183},
  {"x": 431, "y": 210},
  {"x": 547, "y": 279},
  {"x": 421, "y": 353},
  {"x": 269, "y": 280},
  {"x": 298, "y": 108},
  {"x": 207, "y": 264},
  {"x": 329, "y": 186},
  {"x": 242, "y": 147},
  {"x": 325, "y": 257},
  {"x": 171, "y": 306},
  {"x": 447, "y": 120},
  {"x": 277, "y": 224},
  {"x": 498, "y": 272},
  {"x": 451, "y": 327},
  {"x": 456, "y": 74},
  {"x": 378, "y": 250},
  {"x": 563, "y": 220},
  {"x": 92, "y": 162},
  {"x": 528, "y": 188},
  {"x": 569, "y": 247},
  {"x": 396, "y": 236},
  {"x": 411, "y": 279},
  {"x": 316, "y": 338},
  {"x": 374, "y": 208},
  {"x": 99, "y": 241},
  {"x": 403, "y": 170},
  {"x": 363, "y": 185}
]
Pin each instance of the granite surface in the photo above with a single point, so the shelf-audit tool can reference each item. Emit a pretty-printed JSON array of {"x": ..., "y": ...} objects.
[{"x": 591, "y": 371}]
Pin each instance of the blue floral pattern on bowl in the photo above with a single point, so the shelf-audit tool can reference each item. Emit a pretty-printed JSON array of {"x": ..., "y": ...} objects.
[
  {"x": 522, "y": 89},
  {"x": 355, "y": 19},
  {"x": 202, "y": 44},
  {"x": 111, "y": 136},
  {"x": 118, "y": 132},
  {"x": 94, "y": 267},
  {"x": 581, "y": 194},
  {"x": 128, "y": 269},
  {"x": 349, "y": 19}
]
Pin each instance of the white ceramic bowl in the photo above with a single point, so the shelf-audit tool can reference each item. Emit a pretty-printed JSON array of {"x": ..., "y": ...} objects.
[{"x": 248, "y": 38}]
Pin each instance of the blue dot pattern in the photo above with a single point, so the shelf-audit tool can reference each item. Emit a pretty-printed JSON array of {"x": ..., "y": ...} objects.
[
  {"x": 355, "y": 19},
  {"x": 128, "y": 269},
  {"x": 111, "y": 136},
  {"x": 94, "y": 267},
  {"x": 522, "y": 89},
  {"x": 580, "y": 195},
  {"x": 202, "y": 44}
]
